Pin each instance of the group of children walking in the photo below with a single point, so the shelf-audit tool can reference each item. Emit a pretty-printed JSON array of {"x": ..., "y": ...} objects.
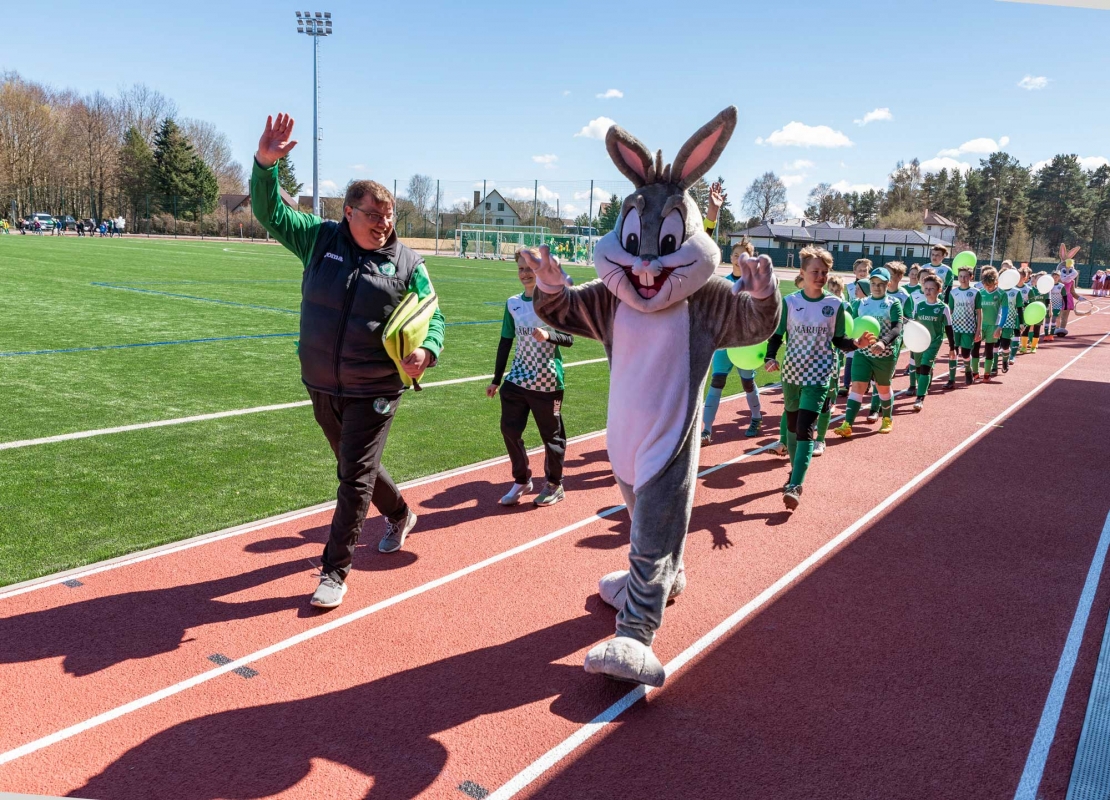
[{"x": 981, "y": 323}]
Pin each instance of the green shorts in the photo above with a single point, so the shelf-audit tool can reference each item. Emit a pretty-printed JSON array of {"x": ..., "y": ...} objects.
[
  {"x": 965, "y": 340},
  {"x": 988, "y": 336},
  {"x": 865, "y": 369},
  {"x": 1009, "y": 333},
  {"x": 809, "y": 397},
  {"x": 927, "y": 358}
]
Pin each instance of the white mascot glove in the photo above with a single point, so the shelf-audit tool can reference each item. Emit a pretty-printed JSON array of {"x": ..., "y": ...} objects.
[
  {"x": 550, "y": 276},
  {"x": 757, "y": 276}
]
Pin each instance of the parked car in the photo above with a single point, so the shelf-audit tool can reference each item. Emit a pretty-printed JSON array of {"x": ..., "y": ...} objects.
[
  {"x": 66, "y": 223},
  {"x": 45, "y": 220}
]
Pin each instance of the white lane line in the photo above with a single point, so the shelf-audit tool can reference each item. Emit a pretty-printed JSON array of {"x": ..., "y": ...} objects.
[
  {"x": 1050, "y": 716},
  {"x": 556, "y": 754},
  {"x": 280, "y": 519},
  {"x": 304, "y": 636},
  {"x": 66, "y": 437}
]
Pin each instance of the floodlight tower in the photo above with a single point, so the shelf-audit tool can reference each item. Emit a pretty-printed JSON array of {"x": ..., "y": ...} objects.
[{"x": 316, "y": 24}]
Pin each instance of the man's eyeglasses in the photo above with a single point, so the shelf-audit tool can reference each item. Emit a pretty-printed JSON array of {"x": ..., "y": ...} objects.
[{"x": 381, "y": 219}]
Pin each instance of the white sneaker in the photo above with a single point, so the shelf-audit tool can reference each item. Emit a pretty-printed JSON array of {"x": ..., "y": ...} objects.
[
  {"x": 819, "y": 449},
  {"x": 515, "y": 493},
  {"x": 918, "y": 405},
  {"x": 873, "y": 416},
  {"x": 779, "y": 448}
]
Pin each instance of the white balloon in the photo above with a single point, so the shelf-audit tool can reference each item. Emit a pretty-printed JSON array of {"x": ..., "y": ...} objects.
[
  {"x": 1044, "y": 284},
  {"x": 916, "y": 337},
  {"x": 1008, "y": 280}
]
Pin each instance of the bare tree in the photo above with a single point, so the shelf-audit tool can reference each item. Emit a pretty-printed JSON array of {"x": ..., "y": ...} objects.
[
  {"x": 765, "y": 198},
  {"x": 421, "y": 193},
  {"x": 214, "y": 149},
  {"x": 145, "y": 108}
]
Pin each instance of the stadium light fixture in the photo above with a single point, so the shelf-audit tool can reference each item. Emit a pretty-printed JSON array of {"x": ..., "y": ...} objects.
[{"x": 315, "y": 24}]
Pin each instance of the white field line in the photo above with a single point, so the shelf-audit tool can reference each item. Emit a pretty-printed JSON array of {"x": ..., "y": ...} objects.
[
  {"x": 304, "y": 636},
  {"x": 1050, "y": 716},
  {"x": 556, "y": 754},
  {"x": 280, "y": 519},
  {"x": 65, "y": 437}
]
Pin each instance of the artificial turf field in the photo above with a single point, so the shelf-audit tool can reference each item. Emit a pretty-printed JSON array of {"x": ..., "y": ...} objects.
[{"x": 98, "y": 333}]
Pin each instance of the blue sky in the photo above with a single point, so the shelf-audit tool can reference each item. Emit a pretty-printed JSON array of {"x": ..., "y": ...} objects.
[{"x": 468, "y": 91}]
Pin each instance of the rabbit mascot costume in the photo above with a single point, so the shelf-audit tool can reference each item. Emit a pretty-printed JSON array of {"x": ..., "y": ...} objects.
[
  {"x": 660, "y": 312},
  {"x": 1068, "y": 276}
]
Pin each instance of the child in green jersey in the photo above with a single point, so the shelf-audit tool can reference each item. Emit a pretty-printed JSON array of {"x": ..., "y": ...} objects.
[
  {"x": 1011, "y": 318},
  {"x": 779, "y": 448},
  {"x": 834, "y": 286},
  {"x": 897, "y": 271},
  {"x": 934, "y": 314},
  {"x": 813, "y": 325},
  {"x": 534, "y": 385},
  {"x": 1031, "y": 336},
  {"x": 993, "y": 305},
  {"x": 878, "y": 362},
  {"x": 966, "y": 305}
]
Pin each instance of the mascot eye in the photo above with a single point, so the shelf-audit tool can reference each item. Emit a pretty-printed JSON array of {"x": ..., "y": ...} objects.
[
  {"x": 671, "y": 233},
  {"x": 630, "y": 232}
]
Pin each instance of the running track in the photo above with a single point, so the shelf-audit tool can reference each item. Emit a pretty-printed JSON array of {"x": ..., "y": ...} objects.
[{"x": 912, "y": 660}]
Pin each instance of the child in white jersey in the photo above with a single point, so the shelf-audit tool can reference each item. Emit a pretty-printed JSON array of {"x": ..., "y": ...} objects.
[{"x": 534, "y": 385}]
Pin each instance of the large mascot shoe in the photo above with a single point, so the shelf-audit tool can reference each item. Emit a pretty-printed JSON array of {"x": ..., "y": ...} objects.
[
  {"x": 612, "y": 587},
  {"x": 625, "y": 659}
]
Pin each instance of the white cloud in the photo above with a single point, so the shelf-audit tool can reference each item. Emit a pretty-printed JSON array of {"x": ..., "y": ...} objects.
[
  {"x": 596, "y": 128},
  {"x": 610, "y": 94},
  {"x": 844, "y": 186},
  {"x": 800, "y": 164},
  {"x": 798, "y": 134},
  {"x": 489, "y": 185},
  {"x": 566, "y": 92},
  {"x": 570, "y": 210},
  {"x": 329, "y": 189},
  {"x": 528, "y": 192},
  {"x": 600, "y": 196},
  {"x": 878, "y": 115},
  {"x": 981, "y": 146},
  {"x": 1031, "y": 83},
  {"x": 547, "y": 160},
  {"x": 944, "y": 162},
  {"x": 793, "y": 210},
  {"x": 792, "y": 180}
]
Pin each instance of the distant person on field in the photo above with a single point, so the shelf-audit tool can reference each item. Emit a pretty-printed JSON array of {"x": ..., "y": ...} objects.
[
  {"x": 355, "y": 273},
  {"x": 121, "y": 225},
  {"x": 5, "y": 227},
  {"x": 38, "y": 228},
  {"x": 534, "y": 385}
]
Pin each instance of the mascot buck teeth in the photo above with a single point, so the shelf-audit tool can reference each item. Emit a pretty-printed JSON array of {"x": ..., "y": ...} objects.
[{"x": 660, "y": 312}]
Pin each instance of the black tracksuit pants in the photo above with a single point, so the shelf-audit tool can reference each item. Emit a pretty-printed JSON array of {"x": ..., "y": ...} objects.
[
  {"x": 546, "y": 410},
  {"x": 356, "y": 429}
]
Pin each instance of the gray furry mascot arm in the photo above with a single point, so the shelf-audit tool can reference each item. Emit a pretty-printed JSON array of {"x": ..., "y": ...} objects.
[{"x": 660, "y": 312}]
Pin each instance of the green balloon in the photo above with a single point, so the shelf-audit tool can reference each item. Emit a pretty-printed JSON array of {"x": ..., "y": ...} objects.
[
  {"x": 866, "y": 325},
  {"x": 964, "y": 259},
  {"x": 1035, "y": 313},
  {"x": 848, "y": 324},
  {"x": 750, "y": 357}
]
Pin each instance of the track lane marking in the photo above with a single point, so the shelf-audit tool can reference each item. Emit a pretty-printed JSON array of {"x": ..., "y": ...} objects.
[{"x": 556, "y": 754}]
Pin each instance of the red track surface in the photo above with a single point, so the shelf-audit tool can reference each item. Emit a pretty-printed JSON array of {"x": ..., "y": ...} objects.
[{"x": 913, "y": 662}]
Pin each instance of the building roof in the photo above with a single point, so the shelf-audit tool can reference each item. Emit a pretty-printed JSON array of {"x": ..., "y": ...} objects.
[
  {"x": 233, "y": 202},
  {"x": 500, "y": 198},
  {"x": 933, "y": 218},
  {"x": 825, "y": 233}
]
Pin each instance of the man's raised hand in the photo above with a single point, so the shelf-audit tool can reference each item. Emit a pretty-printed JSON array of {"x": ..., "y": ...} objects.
[
  {"x": 275, "y": 142},
  {"x": 549, "y": 275}
]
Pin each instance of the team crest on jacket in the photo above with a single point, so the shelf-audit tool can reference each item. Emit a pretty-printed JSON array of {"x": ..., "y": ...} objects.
[
  {"x": 388, "y": 268},
  {"x": 381, "y": 405},
  {"x": 828, "y": 311}
]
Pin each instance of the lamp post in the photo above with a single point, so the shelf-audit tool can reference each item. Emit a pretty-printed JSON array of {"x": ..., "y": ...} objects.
[
  {"x": 994, "y": 236},
  {"x": 315, "y": 24}
]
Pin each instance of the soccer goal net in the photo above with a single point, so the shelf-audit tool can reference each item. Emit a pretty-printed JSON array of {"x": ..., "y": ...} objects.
[{"x": 501, "y": 243}]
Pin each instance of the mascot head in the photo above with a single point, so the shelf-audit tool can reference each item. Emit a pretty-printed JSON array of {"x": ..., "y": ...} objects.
[{"x": 659, "y": 253}]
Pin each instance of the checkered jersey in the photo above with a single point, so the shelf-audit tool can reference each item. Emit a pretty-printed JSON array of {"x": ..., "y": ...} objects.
[
  {"x": 536, "y": 365},
  {"x": 887, "y": 310},
  {"x": 1056, "y": 295},
  {"x": 1014, "y": 303},
  {"x": 963, "y": 303},
  {"x": 934, "y": 316},
  {"x": 810, "y": 358},
  {"x": 944, "y": 272}
]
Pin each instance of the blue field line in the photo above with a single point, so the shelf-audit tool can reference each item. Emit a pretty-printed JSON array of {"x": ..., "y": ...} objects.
[
  {"x": 192, "y": 297},
  {"x": 147, "y": 344}
]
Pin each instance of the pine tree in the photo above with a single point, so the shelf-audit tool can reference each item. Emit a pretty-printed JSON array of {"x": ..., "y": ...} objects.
[
  {"x": 136, "y": 169},
  {"x": 608, "y": 218},
  {"x": 953, "y": 203},
  {"x": 287, "y": 178},
  {"x": 205, "y": 188},
  {"x": 1058, "y": 201},
  {"x": 174, "y": 172}
]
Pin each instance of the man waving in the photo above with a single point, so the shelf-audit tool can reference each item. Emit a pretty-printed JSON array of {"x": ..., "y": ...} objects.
[{"x": 356, "y": 273}]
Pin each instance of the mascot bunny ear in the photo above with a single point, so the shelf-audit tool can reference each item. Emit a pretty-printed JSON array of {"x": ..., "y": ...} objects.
[
  {"x": 630, "y": 156},
  {"x": 1072, "y": 252},
  {"x": 1063, "y": 252},
  {"x": 702, "y": 150}
]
